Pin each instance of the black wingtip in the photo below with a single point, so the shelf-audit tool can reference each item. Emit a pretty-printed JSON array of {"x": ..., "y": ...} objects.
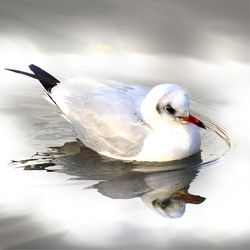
[
  {"x": 48, "y": 81},
  {"x": 21, "y": 72},
  {"x": 40, "y": 72},
  {"x": 13, "y": 70}
]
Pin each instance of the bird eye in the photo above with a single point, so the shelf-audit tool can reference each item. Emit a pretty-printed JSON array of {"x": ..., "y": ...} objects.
[
  {"x": 170, "y": 109},
  {"x": 165, "y": 203}
]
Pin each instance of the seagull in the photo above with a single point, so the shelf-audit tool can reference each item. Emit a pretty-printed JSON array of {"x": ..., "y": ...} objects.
[{"x": 126, "y": 122}]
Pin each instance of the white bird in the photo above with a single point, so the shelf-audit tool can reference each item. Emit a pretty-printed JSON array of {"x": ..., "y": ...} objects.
[{"x": 123, "y": 121}]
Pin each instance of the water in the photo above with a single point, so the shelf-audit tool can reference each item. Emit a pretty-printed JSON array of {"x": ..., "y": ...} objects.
[{"x": 57, "y": 194}]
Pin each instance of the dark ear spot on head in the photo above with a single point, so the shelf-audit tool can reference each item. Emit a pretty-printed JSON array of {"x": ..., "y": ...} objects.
[
  {"x": 154, "y": 202},
  {"x": 158, "y": 108}
]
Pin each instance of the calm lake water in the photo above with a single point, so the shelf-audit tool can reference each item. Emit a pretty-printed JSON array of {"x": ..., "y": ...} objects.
[{"x": 57, "y": 194}]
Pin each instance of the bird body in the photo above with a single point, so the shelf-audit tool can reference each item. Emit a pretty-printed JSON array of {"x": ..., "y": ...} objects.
[{"x": 127, "y": 122}]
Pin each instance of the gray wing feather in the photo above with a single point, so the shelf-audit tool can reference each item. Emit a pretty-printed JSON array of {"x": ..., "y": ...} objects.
[{"x": 107, "y": 118}]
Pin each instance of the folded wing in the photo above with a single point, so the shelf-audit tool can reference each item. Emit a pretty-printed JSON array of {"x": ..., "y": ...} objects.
[{"x": 106, "y": 116}]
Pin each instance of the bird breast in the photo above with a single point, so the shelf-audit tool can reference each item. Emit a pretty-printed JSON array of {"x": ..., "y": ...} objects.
[{"x": 176, "y": 143}]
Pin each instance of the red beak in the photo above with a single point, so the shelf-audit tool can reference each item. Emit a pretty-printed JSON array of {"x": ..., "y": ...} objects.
[{"x": 194, "y": 120}]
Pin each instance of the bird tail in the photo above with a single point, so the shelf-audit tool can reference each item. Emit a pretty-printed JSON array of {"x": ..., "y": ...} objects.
[{"x": 48, "y": 81}]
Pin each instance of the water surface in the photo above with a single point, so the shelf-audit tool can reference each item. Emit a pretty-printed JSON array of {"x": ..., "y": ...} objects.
[{"x": 52, "y": 179}]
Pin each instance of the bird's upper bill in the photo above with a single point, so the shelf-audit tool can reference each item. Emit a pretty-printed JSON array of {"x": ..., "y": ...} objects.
[{"x": 193, "y": 120}]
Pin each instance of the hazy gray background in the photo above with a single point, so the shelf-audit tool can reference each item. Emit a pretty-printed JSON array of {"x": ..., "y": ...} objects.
[
  {"x": 161, "y": 40},
  {"x": 189, "y": 28}
]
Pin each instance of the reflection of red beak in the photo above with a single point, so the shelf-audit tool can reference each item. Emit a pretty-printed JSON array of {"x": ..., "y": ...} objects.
[
  {"x": 190, "y": 198},
  {"x": 194, "y": 120}
]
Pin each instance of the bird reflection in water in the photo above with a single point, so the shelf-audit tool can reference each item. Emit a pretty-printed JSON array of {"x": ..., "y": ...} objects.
[
  {"x": 163, "y": 187},
  {"x": 166, "y": 191}
]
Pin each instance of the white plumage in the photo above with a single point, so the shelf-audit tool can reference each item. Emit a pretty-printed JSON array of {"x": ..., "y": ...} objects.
[
  {"x": 119, "y": 121},
  {"x": 127, "y": 122}
]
